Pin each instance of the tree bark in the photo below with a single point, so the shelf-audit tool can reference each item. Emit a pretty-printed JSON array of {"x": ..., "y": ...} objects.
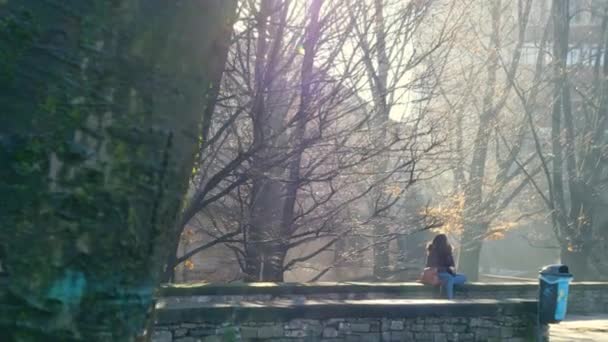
[
  {"x": 381, "y": 251},
  {"x": 273, "y": 202},
  {"x": 575, "y": 219},
  {"x": 102, "y": 102},
  {"x": 577, "y": 262},
  {"x": 470, "y": 250},
  {"x": 474, "y": 227},
  {"x": 263, "y": 236},
  {"x": 380, "y": 121},
  {"x": 264, "y": 251}
]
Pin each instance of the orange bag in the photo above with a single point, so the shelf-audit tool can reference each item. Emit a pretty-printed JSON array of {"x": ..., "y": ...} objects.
[{"x": 429, "y": 276}]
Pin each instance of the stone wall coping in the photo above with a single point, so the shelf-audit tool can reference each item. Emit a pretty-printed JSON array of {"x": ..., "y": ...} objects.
[
  {"x": 285, "y": 310},
  {"x": 277, "y": 289},
  {"x": 211, "y": 289}
]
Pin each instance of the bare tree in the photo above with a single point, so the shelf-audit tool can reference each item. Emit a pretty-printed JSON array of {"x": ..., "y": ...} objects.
[
  {"x": 574, "y": 168},
  {"x": 396, "y": 54},
  {"x": 488, "y": 182},
  {"x": 312, "y": 143}
]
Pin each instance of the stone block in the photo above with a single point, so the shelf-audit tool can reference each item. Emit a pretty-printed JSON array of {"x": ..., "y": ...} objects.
[
  {"x": 213, "y": 339},
  {"x": 314, "y": 329},
  {"x": 509, "y": 321},
  {"x": 227, "y": 330},
  {"x": 492, "y": 339},
  {"x": 371, "y": 337},
  {"x": 299, "y": 324},
  {"x": 461, "y": 328},
  {"x": 295, "y": 333},
  {"x": 180, "y": 332},
  {"x": 506, "y": 332},
  {"x": 525, "y": 331},
  {"x": 330, "y": 332},
  {"x": 453, "y": 337},
  {"x": 467, "y": 337},
  {"x": 374, "y": 326},
  {"x": 162, "y": 336},
  {"x": 433, "y": 320},
  {"x": 334, "y": 322},
  {"x": 401, "y": 336},
  {"x": 423, "y": 336},
  {"x": 188, "y": 339},
  {"x": 481, "y": 334},
  {"x": 433, "y": 328},
  {"x": 440, "y": 338},
  {"x": 476, "y": 322},
  {"x": 275, "y": 330},
  {"x": 417, "y": 327},
  {"x": 249, "y": 332},
  {"x": 364, "y": 337},
  {"x": 360, "y": 327},
  {"x": 488, "y": 323},
  {"x": 202, "y": 332},
  {"x": 396, "y": 325}
]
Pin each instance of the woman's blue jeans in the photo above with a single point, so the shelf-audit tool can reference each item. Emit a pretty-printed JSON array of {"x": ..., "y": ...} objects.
[{"x": 449, "y": 280}]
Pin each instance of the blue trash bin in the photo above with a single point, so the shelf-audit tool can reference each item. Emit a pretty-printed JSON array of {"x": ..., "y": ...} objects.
[{"x": 553, "y": 293}]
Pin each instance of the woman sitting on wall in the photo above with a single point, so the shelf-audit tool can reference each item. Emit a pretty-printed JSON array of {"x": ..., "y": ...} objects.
[{"x": 440, "y": 266}]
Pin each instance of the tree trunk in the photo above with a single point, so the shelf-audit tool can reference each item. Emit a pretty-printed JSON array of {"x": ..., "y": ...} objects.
[
  {"x": 379, "y": 124},
  {"x": 473, "y": 228},
  {"x": 171, "y": 263},
  {"x": 577, "y": 262},
  {"x": 302, "y": 117},
  {"x": 101, "y": 104},
  {"x": 264, "y": 233},
  {"x": 468, "y": 260},
  {"x": 381, "y": 251},
  {"x": 274, "y": 197},
  {"x": 265, "y": 261},
  {"x": 575, "y": 220},
  {"x": 263, "y": 241},
  {"x": 267, "y": 190}
]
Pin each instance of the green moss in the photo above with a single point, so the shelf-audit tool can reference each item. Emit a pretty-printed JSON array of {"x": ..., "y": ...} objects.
[
  {"x": 92, "y": 238},
  {"x": 17, "y": 33}
]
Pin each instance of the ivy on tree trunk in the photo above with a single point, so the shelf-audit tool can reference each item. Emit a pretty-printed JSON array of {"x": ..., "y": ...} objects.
[{"x": 102, "y": 104}]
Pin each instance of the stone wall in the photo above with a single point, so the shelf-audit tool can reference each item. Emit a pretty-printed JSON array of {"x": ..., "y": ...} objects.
[
  {"x": 344, "y": 320},
  {"x": 584, "y": 298}
]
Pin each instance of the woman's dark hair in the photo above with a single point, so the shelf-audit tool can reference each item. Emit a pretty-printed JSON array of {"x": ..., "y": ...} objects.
[{"x": 440, "y": 245}]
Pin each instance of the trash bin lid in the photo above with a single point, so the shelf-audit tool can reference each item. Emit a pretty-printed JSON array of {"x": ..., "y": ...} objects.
[{"x": 556, "y": 270}]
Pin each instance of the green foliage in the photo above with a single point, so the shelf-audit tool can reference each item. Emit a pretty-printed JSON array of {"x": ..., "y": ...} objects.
[{"x": 17, "y": 33}]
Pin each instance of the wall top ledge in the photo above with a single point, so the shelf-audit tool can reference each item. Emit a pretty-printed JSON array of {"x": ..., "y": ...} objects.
[
  {"x": 274, "y": 289},
  {"x": 283, "y": 310}
]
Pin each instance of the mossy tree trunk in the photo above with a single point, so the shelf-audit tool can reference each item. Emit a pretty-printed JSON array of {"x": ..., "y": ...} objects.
[{"x": 101, "y": 107}]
